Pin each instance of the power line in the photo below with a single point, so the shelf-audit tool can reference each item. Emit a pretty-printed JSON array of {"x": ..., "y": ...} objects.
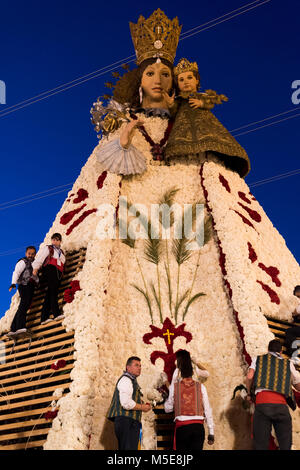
[
  {"x": 59, "y": 91},
  {"x": 32, "y": 200},
  {"x": 266, "y": 119},
  {"x": 275, "y": 178},
  {"x": 226, "y": 19},
  {"x": 119, "y": 62},
  {"x": 219, "y": 17},
  {"x": 267, "y": 125},
  {"x": 34, "y": 194},
  {"x": 101, "y": 71}
]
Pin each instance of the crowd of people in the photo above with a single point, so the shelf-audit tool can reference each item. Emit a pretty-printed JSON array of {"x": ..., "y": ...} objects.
[{"x": 270, "y": 382}]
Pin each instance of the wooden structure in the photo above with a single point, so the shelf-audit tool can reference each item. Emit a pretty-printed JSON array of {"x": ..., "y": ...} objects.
[{"x": 27, "y": 381}]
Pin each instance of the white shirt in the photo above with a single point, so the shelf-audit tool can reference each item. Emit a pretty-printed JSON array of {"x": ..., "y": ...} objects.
[
  {"x": 43, "y": 253},
  {"x": 169, "y": 406},
  {"x": 125, "y": 388},
  {"x": 19, "y": 268},
  {"x": 295, "y": 375}
]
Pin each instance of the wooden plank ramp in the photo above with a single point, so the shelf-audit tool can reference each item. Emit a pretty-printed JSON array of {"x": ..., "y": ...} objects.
[
  {"x": 164, "y": 426},
  {"x": 27, "y": 380},
  {"x": 279, "y": 327}
]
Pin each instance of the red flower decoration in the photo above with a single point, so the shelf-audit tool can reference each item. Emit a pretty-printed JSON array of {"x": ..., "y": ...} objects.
[
  {"x": 68, "y": 216},
  {"x": 272, "y": 294},
  {"x": 252, "y": 253},
  {"x": 168, "y": 333},
  {"x": 82, "y": 194},
  {"x": 101, "y": 179},
  {"x": 222, "y": 261},
  {"x": 79, "y": 220},
  {"x": 50, "y": 414},
  {"x": 244, "y": 197},
  {"x": 253, "y": 214},
  {"x": 60, "y": 364},
  {"x": 70, "y": 292},
  {"x": 273, "y": 272},
  {"x": 245, "y": 220},
  {"x": 224, "y": 182}
]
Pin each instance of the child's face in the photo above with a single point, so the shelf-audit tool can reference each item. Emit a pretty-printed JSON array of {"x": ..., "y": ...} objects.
[
  {"x": 187, "y": 82},
  {"x": 56, "y": 242}
]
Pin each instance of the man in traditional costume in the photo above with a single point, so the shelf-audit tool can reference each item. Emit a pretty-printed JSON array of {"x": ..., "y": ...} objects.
[
  {"x": 126, "y": 406},
  {"x": 52, "y": 259},
  {"x": 26, "y": 280},
  {"x": 272, "y": 377}
]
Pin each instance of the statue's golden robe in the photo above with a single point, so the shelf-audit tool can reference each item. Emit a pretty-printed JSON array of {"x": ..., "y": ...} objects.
[{"x": 198, "y": 130}]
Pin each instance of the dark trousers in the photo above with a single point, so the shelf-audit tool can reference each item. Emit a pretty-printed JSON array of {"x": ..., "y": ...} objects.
[
  {"x": 266, "y": 415},
  {"x": 290, "y": 335},
  {"x": 52, "y": 277},
  {"x": 26, "y": 294},
  {"x": 190, "y": 437},
  {"x": 128, "y": 432}
]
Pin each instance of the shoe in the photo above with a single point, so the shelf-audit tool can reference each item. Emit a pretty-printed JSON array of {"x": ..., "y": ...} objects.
[
  {"x": 60, "y": 317},
  {"x": 46, "y": 321},
  {"x": 21, "y": 330}
]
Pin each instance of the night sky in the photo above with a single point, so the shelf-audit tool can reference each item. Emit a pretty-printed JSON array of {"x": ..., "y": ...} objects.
[{"x": 253, "y": 58}]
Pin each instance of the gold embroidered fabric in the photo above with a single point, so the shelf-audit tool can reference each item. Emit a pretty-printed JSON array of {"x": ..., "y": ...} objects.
[{"x": 198, "y": 130}]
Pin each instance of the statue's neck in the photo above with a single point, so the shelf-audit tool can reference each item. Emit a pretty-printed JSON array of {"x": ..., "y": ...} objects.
[{"x": 148, "y": 103}]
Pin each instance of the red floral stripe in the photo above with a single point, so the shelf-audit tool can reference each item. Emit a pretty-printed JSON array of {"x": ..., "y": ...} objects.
[
  {"x": 79, "y": 220},
  {"x": 222, "y": 262}
]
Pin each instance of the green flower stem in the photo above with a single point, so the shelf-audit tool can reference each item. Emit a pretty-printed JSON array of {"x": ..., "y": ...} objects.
[
  {"x": 142, "y": 275},
  {"x": 159, "y": 293},
  {"x": 194, "y": 278},
  {"x": 169, "y": 278},
  {"x": 177, "y": 293}
]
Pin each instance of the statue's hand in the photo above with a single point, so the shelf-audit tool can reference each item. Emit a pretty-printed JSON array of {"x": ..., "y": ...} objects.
[
  {"x": 169, "y": 100},
  {"x": 196, "y": 103},
  {"x": 128, "y": 131}
]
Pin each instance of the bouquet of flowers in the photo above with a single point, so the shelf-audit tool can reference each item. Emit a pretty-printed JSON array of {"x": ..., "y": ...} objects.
[{"x": 107, "y": 119}]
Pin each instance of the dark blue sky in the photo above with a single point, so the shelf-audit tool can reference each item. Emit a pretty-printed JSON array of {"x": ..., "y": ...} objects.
[{"x": 252, "y": 58}]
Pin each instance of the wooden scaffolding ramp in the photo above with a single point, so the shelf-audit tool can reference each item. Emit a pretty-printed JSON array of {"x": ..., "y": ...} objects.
[
  {"x": 279, "y": 327},
  {"x": 27, "y": 380}
]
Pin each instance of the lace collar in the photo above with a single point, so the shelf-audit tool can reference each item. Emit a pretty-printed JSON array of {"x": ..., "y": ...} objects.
[{"x": 154, "y": 112}]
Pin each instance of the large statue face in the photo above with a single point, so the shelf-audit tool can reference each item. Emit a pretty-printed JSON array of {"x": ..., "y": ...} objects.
[{"x": 156, "y": 78}]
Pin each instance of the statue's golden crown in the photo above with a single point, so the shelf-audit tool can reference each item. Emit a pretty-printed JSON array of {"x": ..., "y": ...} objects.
[
  {"x": 155, "y": 37},
  {"x": 185, "y": 65}
]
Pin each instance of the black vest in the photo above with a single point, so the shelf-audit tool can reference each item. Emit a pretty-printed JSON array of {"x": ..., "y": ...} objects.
[{"x": 27, "y": 272}]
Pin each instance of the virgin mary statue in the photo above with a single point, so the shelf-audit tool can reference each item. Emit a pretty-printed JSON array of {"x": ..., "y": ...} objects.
[{"x": 180, "y": 255}]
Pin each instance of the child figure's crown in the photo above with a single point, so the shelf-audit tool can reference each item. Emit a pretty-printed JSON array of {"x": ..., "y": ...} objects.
[{"x": 185, "y": 65}]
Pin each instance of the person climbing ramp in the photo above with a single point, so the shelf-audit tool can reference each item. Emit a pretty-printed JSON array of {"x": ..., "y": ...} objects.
[
  {"x": 51, "y": 259},
  {"x": 26, "y": 280}
]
